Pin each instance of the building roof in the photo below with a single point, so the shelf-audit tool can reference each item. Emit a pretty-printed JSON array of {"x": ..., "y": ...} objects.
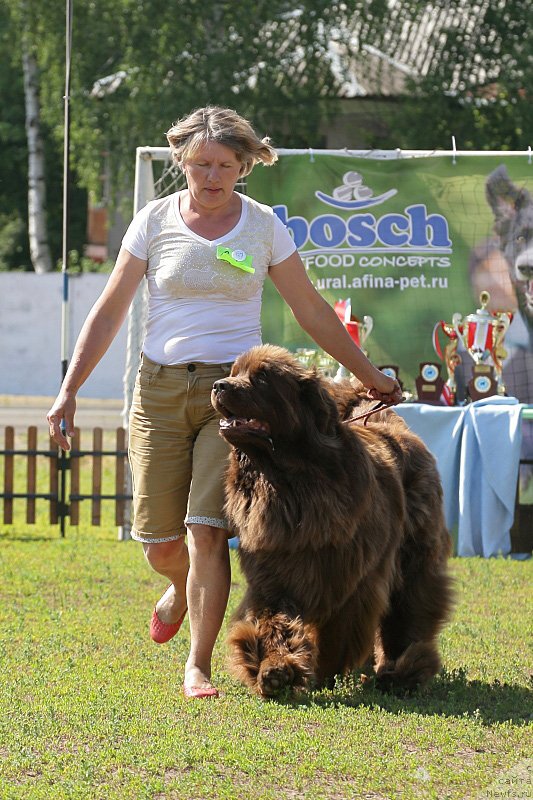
[{"x": 461, "y": 40}]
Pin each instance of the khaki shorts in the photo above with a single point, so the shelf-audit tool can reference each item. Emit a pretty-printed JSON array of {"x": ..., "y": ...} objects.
[{"x": 177, "y": 455}]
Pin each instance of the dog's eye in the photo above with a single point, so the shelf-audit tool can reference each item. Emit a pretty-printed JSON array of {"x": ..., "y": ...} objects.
[
  {"x": 259, "y": 379},
  {"x": 521, "y": 239}
]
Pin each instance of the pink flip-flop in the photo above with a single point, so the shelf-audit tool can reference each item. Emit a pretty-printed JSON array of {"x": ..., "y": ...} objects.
[
  {"x": 199, "y": 692},
  {"x": 162, "y": 632}
]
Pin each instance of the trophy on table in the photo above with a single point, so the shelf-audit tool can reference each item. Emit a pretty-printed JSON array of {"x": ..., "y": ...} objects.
[
  {"x": 358, "y": 330},
  {"x": 429, "y": 382},
  {"x": 482, "y": 334},
  {"x": 318, "y": 360},
  {"x": 392, "y": 371}
]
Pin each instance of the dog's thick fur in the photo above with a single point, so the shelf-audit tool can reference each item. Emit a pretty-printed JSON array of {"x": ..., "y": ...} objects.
[{"x": 342, "y": 537}]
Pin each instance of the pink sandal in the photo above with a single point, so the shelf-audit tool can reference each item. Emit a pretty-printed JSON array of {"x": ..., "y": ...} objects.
[{"x": 162, "y": 632}]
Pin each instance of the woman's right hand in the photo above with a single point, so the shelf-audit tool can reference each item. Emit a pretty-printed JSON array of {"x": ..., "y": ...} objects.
[
  {"x": 97, "y": 333},
  {"x": 61, "y": 420}
]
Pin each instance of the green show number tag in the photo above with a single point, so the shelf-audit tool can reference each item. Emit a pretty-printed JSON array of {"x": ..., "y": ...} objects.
[{"x": 237, "y": 258}]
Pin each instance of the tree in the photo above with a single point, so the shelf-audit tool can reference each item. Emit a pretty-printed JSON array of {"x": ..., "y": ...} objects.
[
  {"x": 138, "y": 66},
  {"x": 268, "y": 60},
  {"x": 37, "y": 217},
  {"x": 469, "y": 69},
  {"x": 19, "y": 214},
  {"x": 14, "y": 246},
  {"x": 21, "y": 22}
]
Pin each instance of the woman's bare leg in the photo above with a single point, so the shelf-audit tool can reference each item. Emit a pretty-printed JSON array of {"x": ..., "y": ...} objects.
[
  {"x": 208, "y": 586},
  {"x": 170, "y": 559}
]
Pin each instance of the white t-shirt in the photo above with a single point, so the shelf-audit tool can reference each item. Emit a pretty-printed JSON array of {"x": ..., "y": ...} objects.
[{"x": 202, "y": 308}]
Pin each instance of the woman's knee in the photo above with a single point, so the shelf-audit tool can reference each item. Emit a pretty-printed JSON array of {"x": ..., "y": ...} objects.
[
  {"x": 163, "y": 556},
  {"x": 205, "y": 539}
]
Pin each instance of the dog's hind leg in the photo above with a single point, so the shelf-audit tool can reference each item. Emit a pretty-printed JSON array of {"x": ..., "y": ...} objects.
[
  {"x": 346, "y": 641},
  {"x": 406, "y": 653}
]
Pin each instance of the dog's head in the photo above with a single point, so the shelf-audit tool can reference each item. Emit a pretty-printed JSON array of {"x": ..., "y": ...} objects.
[
  {"x": 513, "y": 222},
  {"x": 271, "y": 402}
]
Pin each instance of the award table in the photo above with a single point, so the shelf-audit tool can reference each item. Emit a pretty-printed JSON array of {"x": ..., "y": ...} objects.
[{"x": 477, "y": 448}]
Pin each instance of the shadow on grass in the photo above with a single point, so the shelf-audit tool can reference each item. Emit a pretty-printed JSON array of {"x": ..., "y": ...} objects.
[
  {"x": 450, "y": 694},
  {"x": 28, "y": 538}
]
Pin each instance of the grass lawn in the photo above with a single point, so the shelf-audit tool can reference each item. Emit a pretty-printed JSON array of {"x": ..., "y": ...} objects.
[{"x": 91, "y": 708}]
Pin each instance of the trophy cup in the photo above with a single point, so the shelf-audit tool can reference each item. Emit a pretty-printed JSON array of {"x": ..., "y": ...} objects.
[
  {"x": 482, "y": 334},
  {"x": 317, "y": 359},
  {"x": 499, "y": 353},
  {"x": 392, "y": 371},
  {"x": 359, "y": 331},
  {"x": 451, "y": 358},
  {"x": 429, "y": 384}
]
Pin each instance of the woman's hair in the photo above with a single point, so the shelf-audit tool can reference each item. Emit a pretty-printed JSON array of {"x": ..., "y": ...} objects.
[{"x": 223, "y": 126}]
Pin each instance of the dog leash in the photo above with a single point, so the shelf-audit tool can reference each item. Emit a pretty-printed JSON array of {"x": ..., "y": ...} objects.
[{"x": 380, "y": 406}]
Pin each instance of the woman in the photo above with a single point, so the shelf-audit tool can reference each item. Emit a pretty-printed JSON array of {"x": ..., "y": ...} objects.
[{"x": 205, "y": 252}]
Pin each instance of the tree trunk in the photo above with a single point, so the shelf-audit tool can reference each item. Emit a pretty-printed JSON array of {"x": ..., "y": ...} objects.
[{"x": 37, "y": 229}]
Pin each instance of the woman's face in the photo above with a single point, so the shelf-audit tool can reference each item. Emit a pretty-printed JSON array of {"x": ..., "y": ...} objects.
[{"x": 212, "y": 172}]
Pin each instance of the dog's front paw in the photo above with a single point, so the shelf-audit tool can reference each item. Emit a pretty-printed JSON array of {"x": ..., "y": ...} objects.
[
  {"x": 272, "y": 653},
  {"x": 273, "y": 680}
]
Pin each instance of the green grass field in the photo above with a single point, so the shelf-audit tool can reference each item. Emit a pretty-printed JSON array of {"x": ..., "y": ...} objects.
[{"x": 92, "y": 709}]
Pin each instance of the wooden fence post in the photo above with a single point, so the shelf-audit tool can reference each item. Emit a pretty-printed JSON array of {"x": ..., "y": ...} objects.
[
  {"x": 8, "y": 475},
  {"x": 75, "y": 478},
  {"x": 64, "y": 495},
  {"x": 97, "y": 476},
  {"x": 53, "y": 481},
  {"x": 31, "y": 474}
]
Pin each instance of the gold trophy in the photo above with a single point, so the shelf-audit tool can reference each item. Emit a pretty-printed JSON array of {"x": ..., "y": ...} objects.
[
  {"x": 321, "y": 361},
  {"x": 451, "y": 358},
  {"x": 482, "y": 334},
  {"x": 358, "y": 330}
]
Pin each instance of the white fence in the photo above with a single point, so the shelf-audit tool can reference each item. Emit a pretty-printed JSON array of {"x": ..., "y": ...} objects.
[{"x": 30, "y": 331}]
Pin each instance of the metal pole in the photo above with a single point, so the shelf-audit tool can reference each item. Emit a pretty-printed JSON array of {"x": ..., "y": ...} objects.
[{"x": 64, "y": 266}]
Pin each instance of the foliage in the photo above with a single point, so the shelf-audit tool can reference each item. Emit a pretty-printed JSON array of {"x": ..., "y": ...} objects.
[
  {"x": 14, "y": 170},
  {"x": 138, "y": 66},
  {"x": 92, "y": 709},
  {"x": 78, "y": 263},
  {"x": 475, "y": 79},
  {"x": 266, "y": 59},
  {"x": 14, "y": 247},
  {"x": 12, "y": 241}
]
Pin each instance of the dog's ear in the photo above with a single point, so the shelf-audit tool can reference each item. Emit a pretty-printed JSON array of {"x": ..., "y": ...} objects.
[
  {"x": 504, "y": 197},
  {"x": 320, "y": 405}
]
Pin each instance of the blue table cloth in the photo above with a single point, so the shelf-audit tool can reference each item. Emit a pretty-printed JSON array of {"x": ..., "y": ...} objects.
[{"x": 477, "y": 448}]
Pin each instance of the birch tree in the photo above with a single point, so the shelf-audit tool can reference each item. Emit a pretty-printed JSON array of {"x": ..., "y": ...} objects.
[
  {"x": 22, "y": 22},
  {"x": 37, "y": 216}
]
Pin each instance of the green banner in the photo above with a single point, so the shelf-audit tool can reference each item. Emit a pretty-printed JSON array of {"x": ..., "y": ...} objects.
[{"x": 409, "y": 242}]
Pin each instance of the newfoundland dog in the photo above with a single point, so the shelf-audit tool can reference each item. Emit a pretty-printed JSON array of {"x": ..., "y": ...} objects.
[{"x": 342, "y": 538}]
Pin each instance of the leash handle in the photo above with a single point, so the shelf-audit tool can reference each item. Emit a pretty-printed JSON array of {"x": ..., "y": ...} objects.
[{"x": 380, "y": 406}]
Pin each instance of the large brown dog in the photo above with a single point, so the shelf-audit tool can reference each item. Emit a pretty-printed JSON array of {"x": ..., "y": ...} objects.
[{"x": 342, "y": 536}]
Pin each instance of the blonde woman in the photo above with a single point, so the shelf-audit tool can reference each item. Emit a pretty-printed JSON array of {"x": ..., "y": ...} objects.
[{"x": 205, "y": 252}]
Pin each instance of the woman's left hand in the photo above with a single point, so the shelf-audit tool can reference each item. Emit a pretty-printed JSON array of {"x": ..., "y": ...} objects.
[{"x": 386, "y": 389}]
